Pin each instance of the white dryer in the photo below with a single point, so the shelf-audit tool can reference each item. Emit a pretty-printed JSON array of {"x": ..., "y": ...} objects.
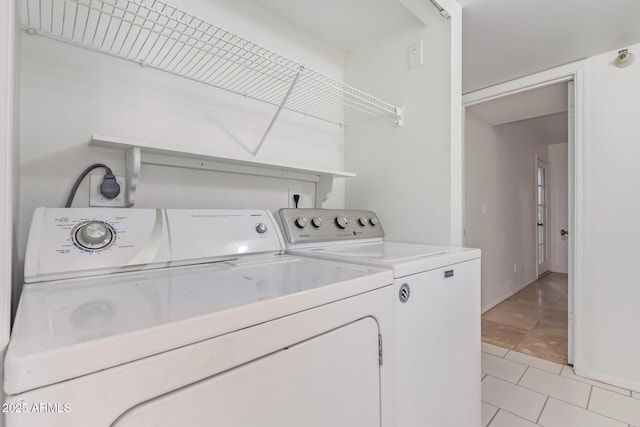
[
  {"x": 152, "y": 317},
  {"x": 437, "y": 307}
]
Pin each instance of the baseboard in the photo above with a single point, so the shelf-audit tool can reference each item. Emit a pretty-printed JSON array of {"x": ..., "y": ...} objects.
[{"x": 504, "y": 297}]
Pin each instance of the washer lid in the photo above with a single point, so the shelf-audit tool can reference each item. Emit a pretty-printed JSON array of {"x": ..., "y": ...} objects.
[
  {"x": 403, "y": 258},
  {"x": 69, "y": 328}
]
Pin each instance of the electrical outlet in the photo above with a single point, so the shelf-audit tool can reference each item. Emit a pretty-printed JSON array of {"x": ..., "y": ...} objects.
[
  {"x": 96, "y": 199},
  {"x": 414, "y": 55},
  {"x": 305, "y": 200}
]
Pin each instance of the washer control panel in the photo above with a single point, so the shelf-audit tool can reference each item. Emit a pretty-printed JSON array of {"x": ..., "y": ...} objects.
[
  {"x": 80, "y": 242},
  {"x": 329, "y": 225}
]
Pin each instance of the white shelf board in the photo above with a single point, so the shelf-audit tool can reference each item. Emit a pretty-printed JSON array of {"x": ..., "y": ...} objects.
[{"x": 143, "y": 152}]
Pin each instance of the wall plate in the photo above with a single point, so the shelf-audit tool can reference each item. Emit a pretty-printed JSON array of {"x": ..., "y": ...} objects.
[
  {"x": 414, "y": 55},
  {"x": 96, "y": 199},
  {"x": 305, "y": 200}
]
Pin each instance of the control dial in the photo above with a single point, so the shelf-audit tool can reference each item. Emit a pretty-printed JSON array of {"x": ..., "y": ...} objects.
[
  {"x": 341, "y": 222},
  {"x": 373, "y": 221},
  {"x": 261, "y": 228},
  {"x": 94, "y": 235},
  {"x": 316, "y": 222},
  {"x": 363, "y": 221},
  {"x": 301, "y": 222}
]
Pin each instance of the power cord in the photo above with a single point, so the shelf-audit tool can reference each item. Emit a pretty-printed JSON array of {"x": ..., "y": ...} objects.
[{"x": 109, "y": 187}]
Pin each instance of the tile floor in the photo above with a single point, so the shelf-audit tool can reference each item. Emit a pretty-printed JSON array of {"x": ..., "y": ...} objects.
[
  {"x": 533, "y": 321},
  {"x": 519, "y": 390}
]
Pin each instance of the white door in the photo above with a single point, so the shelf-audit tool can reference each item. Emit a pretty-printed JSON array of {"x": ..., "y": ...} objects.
[
  {"x": 542, "y": 216},
  {"x": 559, "y": 207}
]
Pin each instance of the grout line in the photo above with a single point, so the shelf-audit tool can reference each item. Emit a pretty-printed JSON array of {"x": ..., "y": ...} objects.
[
  {"x": 521, "y": 376},
  {"x": 589, "y": 399},
  {"x": 542, "y": 410},
  {"x": 494, "y": 415}
]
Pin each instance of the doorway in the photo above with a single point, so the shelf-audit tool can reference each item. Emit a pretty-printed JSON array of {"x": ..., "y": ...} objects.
[{"x": 511, "y": 272}]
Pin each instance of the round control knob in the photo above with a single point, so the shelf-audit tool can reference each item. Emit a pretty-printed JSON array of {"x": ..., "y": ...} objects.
[
  {"x": 261, "y": 228},
  {"x": 341, "y": 222},
  {"x": 363, "y": 221},
  {"x": 94, "y": 235},
  {"x": 301, "y": 222},
  {"x": 373, "y": 221},
  {"x": 316, "y": 222}
]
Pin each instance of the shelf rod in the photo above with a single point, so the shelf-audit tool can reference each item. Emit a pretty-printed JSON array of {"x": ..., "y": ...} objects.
[{"x": 280, "y": 107}]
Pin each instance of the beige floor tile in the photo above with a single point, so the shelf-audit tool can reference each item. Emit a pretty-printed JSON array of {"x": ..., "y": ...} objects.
[
  {"x": 562, "y": 388},
  {"x": 494, "y": 349},
  {"x": 501, "y": 335},
  {"x": 488, "y": 411},
  {"x": 555, "y": 315},
  {"x": 567, "y": 371},
  {"x": 544, "y": 346},
  {"x": 561, "y": 414},
  {"x": 502, "y": 368},
  {"x": 552, "y": 328},
  {"x": 635, "y": 395},
  {"x": 512, "y": 398},
  {"x": 516, "y": 307},
  {"x": 505, "y": 419},
  {"x": 614, "y": 405},
  {"x": 539, "y": 310},
  {"x": 536, "y": 362},
  {"x": 515, "y": 320}
]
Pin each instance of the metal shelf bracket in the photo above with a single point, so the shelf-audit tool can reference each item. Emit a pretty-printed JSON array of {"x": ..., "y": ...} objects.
[{"x": 280, "y": 107}]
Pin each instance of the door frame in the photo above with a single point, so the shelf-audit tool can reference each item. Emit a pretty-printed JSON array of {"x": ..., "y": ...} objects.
[
  {"x": 7, "y": 157},
  {"x": 576, "y": 73}
]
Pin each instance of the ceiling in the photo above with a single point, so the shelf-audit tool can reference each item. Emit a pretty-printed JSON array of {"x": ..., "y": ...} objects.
[
  {"x": 542, "y": 110},
  {"x": 502, "y": 40},
  {"x": 344, "y": 25},
  {"x": 525, "y": 105},
  {"x": 506, "y": 39}
]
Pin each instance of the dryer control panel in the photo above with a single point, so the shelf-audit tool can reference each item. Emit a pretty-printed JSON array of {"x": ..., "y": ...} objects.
[{"x": 329, "y": 225}]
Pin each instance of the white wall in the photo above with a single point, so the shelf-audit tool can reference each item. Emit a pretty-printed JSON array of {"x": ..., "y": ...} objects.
[
  {"x": 404, "y": 173},
  {"x": 500, "y": 167},
  {"x": 609, "y": 296},
  {"x": 559, "y": 207},
  {"x": 68, "y": 94}
]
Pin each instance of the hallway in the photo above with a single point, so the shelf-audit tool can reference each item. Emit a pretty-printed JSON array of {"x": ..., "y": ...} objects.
[{"x": 533, "y": 321}]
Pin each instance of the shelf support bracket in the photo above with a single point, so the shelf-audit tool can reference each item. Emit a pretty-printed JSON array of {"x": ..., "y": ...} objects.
[
  {"x": 398, "y": 120},
  {"x": 280, "y": 107},
  {"x": 133, "y": 163},
  {"x": 324, "y": 186}
]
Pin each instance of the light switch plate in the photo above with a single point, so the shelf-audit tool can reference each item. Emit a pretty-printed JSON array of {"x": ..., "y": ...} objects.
[{"x": 414, "y": 55}]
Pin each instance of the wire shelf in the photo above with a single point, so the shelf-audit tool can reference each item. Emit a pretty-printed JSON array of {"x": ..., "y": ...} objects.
[{"x": 161, "y": 36}]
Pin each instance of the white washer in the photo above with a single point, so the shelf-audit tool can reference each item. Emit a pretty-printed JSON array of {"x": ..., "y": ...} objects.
[
  {"x": 150, "y": 317},
  {"x": 437, "y": 306}
]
